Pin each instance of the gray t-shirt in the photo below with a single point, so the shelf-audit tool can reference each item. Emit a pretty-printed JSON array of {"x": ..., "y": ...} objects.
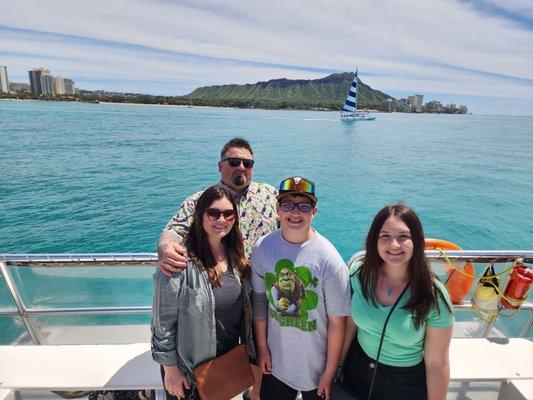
[
  {"x": 295, "y": 288},
  {"x": 229, "y": 305}
]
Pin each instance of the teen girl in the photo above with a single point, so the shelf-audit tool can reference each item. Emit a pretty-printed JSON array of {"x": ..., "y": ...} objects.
[{"x": 401, "y": 315}]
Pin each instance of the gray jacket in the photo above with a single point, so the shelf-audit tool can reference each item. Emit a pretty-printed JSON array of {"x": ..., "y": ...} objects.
[{"x": 183, "y": 319}]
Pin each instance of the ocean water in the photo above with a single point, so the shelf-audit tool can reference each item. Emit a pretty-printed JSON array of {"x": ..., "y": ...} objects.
[{"x": 106, "y": 178}]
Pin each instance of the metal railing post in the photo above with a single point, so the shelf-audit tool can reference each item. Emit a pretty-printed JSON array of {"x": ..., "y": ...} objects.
[
  {"x": 487, "y": 329},
  {"x": 12, "y": 287},
  {"x": 527, "y": 326}
]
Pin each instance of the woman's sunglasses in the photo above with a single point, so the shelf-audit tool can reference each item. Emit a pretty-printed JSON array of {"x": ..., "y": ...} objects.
[
  {"x": 236, "y": 161},
  {"x": 287, "y": 206},
  {"x": 214, "y": 214}
]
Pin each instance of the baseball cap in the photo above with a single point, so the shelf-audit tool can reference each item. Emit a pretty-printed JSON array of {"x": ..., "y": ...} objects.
[{"x": 297, "y": 185}]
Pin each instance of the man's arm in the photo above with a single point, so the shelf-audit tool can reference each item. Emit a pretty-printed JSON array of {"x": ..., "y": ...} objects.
[
  {"x": 170, "y": 252},
  {"x": 181, "y": 222}
]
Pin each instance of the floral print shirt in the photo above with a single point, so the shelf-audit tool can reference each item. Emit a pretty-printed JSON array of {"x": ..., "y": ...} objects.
[{"x": 257, "y": 214}]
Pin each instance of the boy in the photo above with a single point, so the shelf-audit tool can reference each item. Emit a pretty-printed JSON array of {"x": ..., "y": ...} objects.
[{"x": 300, "y": 300}]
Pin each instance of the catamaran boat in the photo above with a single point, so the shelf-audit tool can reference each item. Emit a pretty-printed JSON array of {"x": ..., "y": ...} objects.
[
  {"x": 349, "y": 109},
  {"x": 80, "y": 322}
]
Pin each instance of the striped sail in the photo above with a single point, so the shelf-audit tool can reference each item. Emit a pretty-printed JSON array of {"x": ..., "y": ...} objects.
[{"x": 350, "y": 105}]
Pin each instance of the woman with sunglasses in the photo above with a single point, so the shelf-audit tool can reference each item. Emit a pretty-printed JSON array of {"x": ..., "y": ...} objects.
[
  {"x": 403, "y": 315},
  {"x": 205, "y": 302}
]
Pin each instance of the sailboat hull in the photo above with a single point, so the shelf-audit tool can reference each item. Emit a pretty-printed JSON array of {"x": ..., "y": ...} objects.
[
  {"x": 349, "y": 109},
  {"x": 357, "y": 117}
]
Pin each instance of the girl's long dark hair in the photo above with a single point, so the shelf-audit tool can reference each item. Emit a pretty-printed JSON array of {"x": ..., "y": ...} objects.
[
  {"x": 422, "y": 287},
  {"x": 197, "y": 243}
]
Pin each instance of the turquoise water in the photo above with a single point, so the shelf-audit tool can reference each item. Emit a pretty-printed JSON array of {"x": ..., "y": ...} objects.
[{"x": 106, "y": 178}]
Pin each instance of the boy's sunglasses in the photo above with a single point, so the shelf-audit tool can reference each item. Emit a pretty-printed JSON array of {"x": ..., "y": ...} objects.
[
  {"x": 287, "y": 206},
  {"x": 236, "y": 161},
  {"x": 301, "y": 185},
  {"x": 214, "y": 214}
]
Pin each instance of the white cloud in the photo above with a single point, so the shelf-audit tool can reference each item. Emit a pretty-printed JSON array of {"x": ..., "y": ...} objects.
[{"x": 402, "y": 45}]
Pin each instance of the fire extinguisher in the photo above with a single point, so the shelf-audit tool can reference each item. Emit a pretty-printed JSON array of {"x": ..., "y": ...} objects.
[{"x": 517, "y": 286}]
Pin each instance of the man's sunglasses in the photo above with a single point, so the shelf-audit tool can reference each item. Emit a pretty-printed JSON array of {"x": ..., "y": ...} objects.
[
  {"x": 236, "y": 161},
  {"x": 287, "y": 206},
  {"x": 214, "y": 214}
]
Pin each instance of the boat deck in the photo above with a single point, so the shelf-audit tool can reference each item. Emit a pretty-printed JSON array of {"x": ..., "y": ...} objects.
[{"x": 55, "y": 351}]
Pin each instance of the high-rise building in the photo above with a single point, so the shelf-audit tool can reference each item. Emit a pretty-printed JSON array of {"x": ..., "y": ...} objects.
[
  {"x": 389, "y": 105},
  {"x": 416, "y": 102},
  {"x": 402, "y": 105},
  {"x": 433, "y": 106},
  {"x": 59, "y": 85},
  {"x": 4, "y": 81},
  {"x": 47, "y": 82},
  {"x": 36, "y": 81},
  {"x": 69, "y": 86},
  {"x": 42, "y": 82}
]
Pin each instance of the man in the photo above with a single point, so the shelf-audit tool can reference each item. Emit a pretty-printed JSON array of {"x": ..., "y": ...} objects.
[
  {"x": 300, "y": 300},
  {"x": 255, "y": 203}
]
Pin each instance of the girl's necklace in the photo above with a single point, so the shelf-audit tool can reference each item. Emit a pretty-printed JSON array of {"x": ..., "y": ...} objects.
[{"x": 390, "y": 288}]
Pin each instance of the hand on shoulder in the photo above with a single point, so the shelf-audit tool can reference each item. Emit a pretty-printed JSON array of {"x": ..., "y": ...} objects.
[{"x": 171, "y": 257}]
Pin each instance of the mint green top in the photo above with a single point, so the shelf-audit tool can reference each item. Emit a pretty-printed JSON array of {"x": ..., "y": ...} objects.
[{"x": 403, "y": 345}]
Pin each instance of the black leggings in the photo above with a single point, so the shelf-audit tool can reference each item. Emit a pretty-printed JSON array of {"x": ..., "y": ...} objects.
[
  {"x": 274, "y": 389},
  {"x": 399, "y": 383}
]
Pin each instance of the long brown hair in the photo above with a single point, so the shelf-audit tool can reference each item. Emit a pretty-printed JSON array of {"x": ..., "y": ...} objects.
[
  {"x": 423, "y": 290},
  {"x": 197, "y": 244}
]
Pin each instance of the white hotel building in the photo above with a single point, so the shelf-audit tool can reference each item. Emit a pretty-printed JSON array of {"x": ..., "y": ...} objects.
[{"x": 4, "y": 81}]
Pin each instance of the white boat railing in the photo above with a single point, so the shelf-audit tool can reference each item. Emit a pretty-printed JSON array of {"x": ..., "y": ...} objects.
[{"x": 27, "y": 314}]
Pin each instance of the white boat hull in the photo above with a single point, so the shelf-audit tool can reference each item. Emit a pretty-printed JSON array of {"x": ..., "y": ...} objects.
[{"x": 357, "y": 117}]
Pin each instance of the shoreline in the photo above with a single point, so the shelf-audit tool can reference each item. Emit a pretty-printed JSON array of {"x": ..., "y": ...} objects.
[
  {"x": 243, "y": 108},
  {"x": 371, "y": 111},
  {"x": 266, "y": 109}
]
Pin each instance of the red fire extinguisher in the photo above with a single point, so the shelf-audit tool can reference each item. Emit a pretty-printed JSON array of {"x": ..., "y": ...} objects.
[{"x": 517, "y": 286}]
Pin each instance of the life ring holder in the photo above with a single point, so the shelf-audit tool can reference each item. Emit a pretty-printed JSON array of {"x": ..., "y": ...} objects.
[{"x": 458, "y": 284}]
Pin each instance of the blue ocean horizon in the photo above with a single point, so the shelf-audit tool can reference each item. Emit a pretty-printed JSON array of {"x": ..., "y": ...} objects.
[{"x": 107, "y": 177}]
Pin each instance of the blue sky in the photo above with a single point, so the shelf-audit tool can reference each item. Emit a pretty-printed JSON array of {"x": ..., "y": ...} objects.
[{"x": 474, "y": 52}]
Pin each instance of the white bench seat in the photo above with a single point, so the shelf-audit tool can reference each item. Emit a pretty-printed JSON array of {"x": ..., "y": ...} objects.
[
  {"x": 75, "y": 367},
  {"x": 130, "y": 366},
  {"x": 473, "y": 359}
]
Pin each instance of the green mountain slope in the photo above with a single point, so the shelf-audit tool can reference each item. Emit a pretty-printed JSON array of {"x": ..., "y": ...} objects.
[{"x": 329, "y": 92}]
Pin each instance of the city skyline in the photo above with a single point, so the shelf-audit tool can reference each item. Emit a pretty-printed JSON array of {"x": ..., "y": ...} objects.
[
  {"x": 455, "y": 51},
  {"x": 42, "y": 82}
]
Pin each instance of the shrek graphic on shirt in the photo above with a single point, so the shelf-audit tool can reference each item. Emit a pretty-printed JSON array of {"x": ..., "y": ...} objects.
[{"x": 289, "y": 294}]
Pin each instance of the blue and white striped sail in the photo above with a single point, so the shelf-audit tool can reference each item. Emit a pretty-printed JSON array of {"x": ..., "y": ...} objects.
[
  {"x": 350, "y": 105},
  {"x": 349, "y": 109}
]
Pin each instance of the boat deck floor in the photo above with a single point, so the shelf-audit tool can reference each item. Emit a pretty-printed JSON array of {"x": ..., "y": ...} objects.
[{"x": 457, "y": 391}]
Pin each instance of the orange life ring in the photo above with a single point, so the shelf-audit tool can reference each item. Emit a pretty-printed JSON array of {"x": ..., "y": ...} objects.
[{"x": 457, "y": 284}]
